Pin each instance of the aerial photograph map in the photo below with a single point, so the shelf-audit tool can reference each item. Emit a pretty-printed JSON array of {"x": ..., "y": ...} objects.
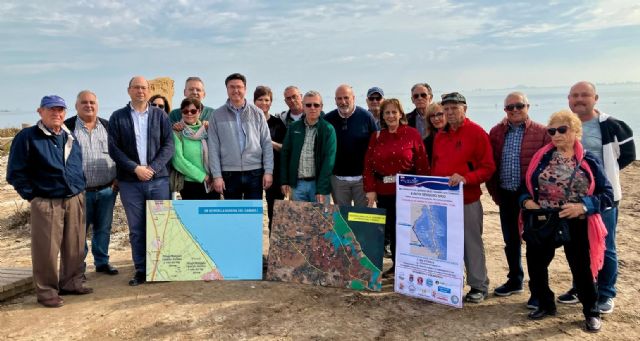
[
  {"x": 327, "y": 245},
  {"x": 430, "y": 230}
]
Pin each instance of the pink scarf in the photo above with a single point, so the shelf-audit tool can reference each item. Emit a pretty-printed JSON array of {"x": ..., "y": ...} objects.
[{"x": 595, "y": 226}]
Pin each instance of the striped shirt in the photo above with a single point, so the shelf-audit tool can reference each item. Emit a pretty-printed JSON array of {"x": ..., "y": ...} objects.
[{"x": 99, "y": 168}]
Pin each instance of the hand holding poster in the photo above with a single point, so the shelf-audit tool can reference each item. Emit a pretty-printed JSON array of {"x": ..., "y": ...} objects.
[{"x": 429, "y": 239}]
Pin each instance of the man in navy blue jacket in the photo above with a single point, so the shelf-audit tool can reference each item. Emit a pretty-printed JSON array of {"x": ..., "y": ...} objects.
[
  {"x": 45, "y": 168},
  {"x": 141, "y": 145}
]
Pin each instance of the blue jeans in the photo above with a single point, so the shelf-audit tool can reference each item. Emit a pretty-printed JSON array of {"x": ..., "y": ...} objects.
[
  {"x": 99, "y": 214},
  {"x": 243, "y": 185},
  {"x": 306, "y": 191},
  {"x": 134, "y": 195},
  {"x": 609, "y": 273}
]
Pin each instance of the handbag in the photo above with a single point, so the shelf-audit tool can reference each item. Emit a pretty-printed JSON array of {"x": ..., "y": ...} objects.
[
  {"x": 545, "y": 227},
  {"x": 176, "y": 180}
]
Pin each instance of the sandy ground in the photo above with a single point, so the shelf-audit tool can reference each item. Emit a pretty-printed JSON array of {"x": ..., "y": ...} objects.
[{"x": 284, "y": 311}]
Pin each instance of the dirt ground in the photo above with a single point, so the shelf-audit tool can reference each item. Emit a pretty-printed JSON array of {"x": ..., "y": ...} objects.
[{"x": 261, "y": 310}]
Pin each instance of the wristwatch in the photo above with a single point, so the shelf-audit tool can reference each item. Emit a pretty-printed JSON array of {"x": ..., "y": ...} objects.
[{"x": 584, "y": 208}]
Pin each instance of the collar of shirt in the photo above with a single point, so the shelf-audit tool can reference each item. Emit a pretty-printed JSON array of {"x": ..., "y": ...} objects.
[
  {"x": 141, "y": 113},
  {"x": 515, "y": 127},
  {"x": 306, "y": 123},
  {"x": 233, "y": 107},
  {"x": 347, "y": 116}
]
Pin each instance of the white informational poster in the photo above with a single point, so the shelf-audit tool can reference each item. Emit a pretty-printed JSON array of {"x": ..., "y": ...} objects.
[{"x": 429, "y": 239}]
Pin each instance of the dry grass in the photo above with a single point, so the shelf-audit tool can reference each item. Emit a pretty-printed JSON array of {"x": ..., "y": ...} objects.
[{"x": 9, "y": 132}]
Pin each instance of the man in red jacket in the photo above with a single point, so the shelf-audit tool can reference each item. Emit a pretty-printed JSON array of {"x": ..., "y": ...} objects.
[
  {"x": 514, "y": 141},
  {"x": 462, "y": 152}
]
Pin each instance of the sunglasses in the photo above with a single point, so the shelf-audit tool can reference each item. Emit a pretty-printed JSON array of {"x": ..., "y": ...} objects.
[
  {"x": 423, "y": 95},
  {"x": 560, "y": 129},
  {"x": 161, "y": 106},
  {"x": 518, "y": 106},
  {"x": 189, "y": 111},
  {"x": 437, "y": 115},
  {"x": 312, "y": 105},
  {"x": 375, "y": 98}
]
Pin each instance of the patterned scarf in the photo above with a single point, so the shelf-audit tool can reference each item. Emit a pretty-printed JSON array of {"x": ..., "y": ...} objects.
[{"x": 190, "y": 133}]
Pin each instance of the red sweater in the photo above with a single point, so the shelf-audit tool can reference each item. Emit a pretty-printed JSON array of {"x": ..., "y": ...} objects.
[
  {"x": 465, "y": 151},
  {"x": 393, "y": 153}
]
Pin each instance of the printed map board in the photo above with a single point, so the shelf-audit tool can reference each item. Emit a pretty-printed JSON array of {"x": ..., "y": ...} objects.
[
  {"x": 204, "y": 240},
  {"x": 327, "y": 245}
]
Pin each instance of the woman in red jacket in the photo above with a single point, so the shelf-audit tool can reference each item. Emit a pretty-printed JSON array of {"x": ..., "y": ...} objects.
[{"x": 396, "y": 149}]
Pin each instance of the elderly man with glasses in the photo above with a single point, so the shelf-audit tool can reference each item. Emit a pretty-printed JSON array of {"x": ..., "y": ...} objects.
[
  {"x": 293, "y": 100},
  {"x": 308, "y": 154},
  {"x": 514, "y": 141},
  {"x": 193, "y": 88},
  {"x": 375, "y": 97},
  {"x": 421, "y": 96}
]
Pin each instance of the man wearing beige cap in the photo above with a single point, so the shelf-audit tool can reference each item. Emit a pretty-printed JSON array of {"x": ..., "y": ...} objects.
[{"x": 45, "y": 168}]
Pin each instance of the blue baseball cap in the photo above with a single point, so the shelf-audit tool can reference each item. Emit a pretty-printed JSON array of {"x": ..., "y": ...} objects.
[
  {"x": 375, "y": 90},
  {"x": 52, "y": 101}
]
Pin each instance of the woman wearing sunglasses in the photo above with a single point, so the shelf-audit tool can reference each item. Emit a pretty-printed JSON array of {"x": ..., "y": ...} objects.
[
  {"x": 562, "y": 175},
  {"x": 397, "y": 148},
  {"x": 435, "y": 122},
  {"x": 191, "y": 156},
  {"x": 160, "y": 102}
]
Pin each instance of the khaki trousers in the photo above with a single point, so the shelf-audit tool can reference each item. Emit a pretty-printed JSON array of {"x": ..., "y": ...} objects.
[{"x": 57, "y": 227}]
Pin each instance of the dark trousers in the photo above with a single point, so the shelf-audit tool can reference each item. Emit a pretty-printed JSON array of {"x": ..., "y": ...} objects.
[
  {"x": 388, "y": 202},
  {"x": 509, "y": 212},
  {"x": 243, "y": 185},
  {"x": 134, "y": 196},
  {"x": 274, "y": 192},
  {"x": 195, "y": 191},
  {"x": 577, "y": 252}
]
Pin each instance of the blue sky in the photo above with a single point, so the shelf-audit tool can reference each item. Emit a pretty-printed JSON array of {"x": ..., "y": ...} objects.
[{"x": 64, "y": 46}]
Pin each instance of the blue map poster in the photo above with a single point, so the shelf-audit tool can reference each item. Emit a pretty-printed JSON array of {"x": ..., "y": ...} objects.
[
  {"x": 327, "y": 245},
  {"x": 204, "y": 240},
  {"x": 429, "y": 239}
]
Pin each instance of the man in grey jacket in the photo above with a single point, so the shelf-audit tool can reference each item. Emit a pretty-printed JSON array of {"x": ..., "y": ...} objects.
[{"x": 240, "y": 151}]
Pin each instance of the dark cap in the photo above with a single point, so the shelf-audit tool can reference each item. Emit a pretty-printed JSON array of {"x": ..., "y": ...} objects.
[
  {"x": 453, "y": 97},
  {"x": 52, "y": 101},
  {"x": 375, "y": 90}
]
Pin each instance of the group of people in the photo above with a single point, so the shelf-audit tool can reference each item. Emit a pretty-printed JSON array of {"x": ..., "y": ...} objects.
[{"x": 71, "y": 172}]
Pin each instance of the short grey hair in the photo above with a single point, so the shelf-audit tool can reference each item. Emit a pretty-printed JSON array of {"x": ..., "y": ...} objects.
[
  {"x": 426, "y": 85},
  {"x": 84, "y": 92},
  {"x": 193, "y": 79},
  {"x": 292, "y": 87},
  {"x": 519, "y": 94},
  {"x": 313, "y": 93}
]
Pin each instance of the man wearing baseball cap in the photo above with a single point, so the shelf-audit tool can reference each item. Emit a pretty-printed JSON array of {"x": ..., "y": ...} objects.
[
  {"x": 45, "y": 168},
  {"x": 462, "y": 152},
  {"x": 375, "y": 96}
]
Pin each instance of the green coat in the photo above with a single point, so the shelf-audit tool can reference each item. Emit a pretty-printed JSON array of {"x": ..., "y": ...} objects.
[
  {"x": 324, "y": 152},
  {"x": 188, "y": 158}
]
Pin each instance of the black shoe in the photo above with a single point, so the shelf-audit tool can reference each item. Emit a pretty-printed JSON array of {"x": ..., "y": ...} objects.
[
  {"x": 532, "y": 303},
  {"x": 508, "y": 289},
  {"x": 539, "y": 313},
  {"x": 476, "y": 296},
  {"x": 569, "y": 297},
  {"x": 593, "y": 324},
  {"x": 108, "y": 269},
  {"x": 139, "y": 278}
]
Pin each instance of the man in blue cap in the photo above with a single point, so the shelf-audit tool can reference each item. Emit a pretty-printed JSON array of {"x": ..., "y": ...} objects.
[
  {"x": 375, "y": 96},
  {"x": 45, "y": 168}
]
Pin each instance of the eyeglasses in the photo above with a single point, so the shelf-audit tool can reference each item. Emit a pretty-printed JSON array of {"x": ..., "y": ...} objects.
[
  {"x": 314, "y": 105},
  {"x": 139, "y": 87},
  {"x": 437, "y": 115},
  {"x": 423, "y": 95},
  {"x": 518, "y": 106},
  {"x": 161, "y": 106},
  {"x": 375, "y": 98},
  {"x": 189, "y": 111},
  {"x": 560, "y": 129}
]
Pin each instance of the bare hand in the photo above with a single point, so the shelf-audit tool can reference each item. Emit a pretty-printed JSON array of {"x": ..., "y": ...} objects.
[
  {"x": 218, "y": 185},
  {"x": 114, "y": 186},
  {"x": 267, "y": 180},
  {"x": 286, "y": 190},
  {"x": 206, "y": 124},
  {"x": 531, "y": 205},
  {"x": 178, "y": 126},
  {"x": 320, "y": 198},
  {"x": 571, "y": 210},
  {"x": 455, "y": 179},
  {"x": 371, "y": 198},
  {"x": 143, "y": 173}
]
